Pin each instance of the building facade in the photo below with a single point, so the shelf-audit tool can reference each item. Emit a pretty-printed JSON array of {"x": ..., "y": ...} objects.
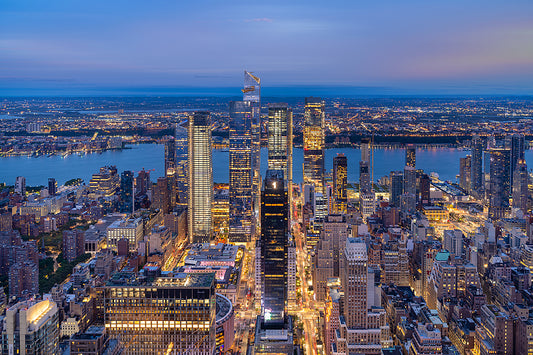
[{"x": 200, "y": 177}]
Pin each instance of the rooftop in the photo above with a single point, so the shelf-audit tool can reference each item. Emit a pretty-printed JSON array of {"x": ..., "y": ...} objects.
[{"x": 193, "y": 280}]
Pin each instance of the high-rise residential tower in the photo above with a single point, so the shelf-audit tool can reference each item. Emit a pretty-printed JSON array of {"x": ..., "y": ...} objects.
[
  {"x": 499, "y": 182},
  {"x": 520, "y": 186},
  {"x": 366, "y": 191},
  {"x": 465, "y": 172},
  {"x": 200, "y": 177},
  {"x": 340, "y": 182},
  {"x": 476, "y": 180},
  {"x": 517, "y": 152},
  {"x": 240, "y": 171},
  {"x": 52, "y": 186},
  {"x": 274, "y": 248},
  {"x": 170, "y": 156},
  {"x": 126, "y": 191},
  {"x": 20, "y": 185},
  {"x": 410, "y": 155},
  {"x": 252, "y": 93},
  {"x": 314, "y": 125},
  {"x": 396, "y": 187}
]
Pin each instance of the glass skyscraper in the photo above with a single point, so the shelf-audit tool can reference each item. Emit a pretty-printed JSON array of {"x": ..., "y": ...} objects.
[
  {"x": 240, "y": 171},
  {"x": 252, "y": 93},
  {"x": 280, "y": 139},
  {"x": 274, "y": 249},
  {"x": 500, "y": 180},
  {"x": 314, "y": 125},
  {"x": 200, "y": 177},
  {"x": 476, "y": 166}
]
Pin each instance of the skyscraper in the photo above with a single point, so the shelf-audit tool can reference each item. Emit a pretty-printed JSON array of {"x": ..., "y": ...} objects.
[
  {"x": 181, "y": 164},
  {"x": 340, "y": 182},
  {"x": 252, "y": 93},
  {"x": 366, "y": 191},
  {"x": 425, "y": 184},
  {"x": 200, "y": 177},
  {"x": 314, "y": 125},
  {"x": 170, "y": 156},
  {"x": 20, "y": 185},
  {"x": 410, "y": 155},
  {"x": 142, "y": 182},
  {"x": 408, "y": 199},
  {"x": 364, "y": 167},
  {"x": 280, "y": 139},
  {"x": 240, "y": 171},
  {"x": 126, "y": 191},
  {"x": 476, "y": 180},
  {"x": 364, "y": 329},
  {"x": 396, "y": 187},
  {"x": 52, "y": 186},
  {"x": 274, "y": 248},
  {"x": 499, "y": 182},
  {"x": 517, "y": 152},
  {"x": 465, "y": 172},
  {"x": 520, "y": 186}
]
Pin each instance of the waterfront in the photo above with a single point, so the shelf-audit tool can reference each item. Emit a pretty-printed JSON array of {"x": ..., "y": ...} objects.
[{"x": 37, "y": 170}]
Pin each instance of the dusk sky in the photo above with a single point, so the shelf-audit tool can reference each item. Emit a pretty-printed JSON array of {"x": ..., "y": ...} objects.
[{"x": 380, "y": 47}]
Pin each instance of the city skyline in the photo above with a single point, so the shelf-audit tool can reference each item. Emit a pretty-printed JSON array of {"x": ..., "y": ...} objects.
[{"x": 387, "y": 48}]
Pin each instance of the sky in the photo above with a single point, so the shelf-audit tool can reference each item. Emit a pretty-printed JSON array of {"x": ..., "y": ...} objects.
[{"x": 50, "y": 47}]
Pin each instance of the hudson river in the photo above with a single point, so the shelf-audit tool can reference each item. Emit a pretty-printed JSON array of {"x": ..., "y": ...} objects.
[{"x": 37, "y": 170}]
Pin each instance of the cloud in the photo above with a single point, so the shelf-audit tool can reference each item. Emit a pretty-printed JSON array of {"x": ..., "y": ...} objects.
[{"x": 259, "y": 19}]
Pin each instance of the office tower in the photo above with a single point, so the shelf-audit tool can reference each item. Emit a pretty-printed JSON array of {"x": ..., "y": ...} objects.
[
  {"x": 465, "y": 172},
  {"x": 20, "y": 185},
  {"x": 52, "y": 186},
  {"x": 354, "y": 282},
  {"x": 240, "y": 171},
  {"x": 396, "y": 187},
  {"x": 476, "y": 166},
  {"x": 363, "y": 325},
  {"x": 170, "y": 156},
  {"x": 24, "y": 279},
  {"x": 517, "y": 152},
  {"x": 499, "y": 182},
  {"x": 314, "y": 126},
  {"x": 425, "y": 186},
  {"x": 520, "y": 186},
  {"x": 161, "y": 197},
  {"x": 340, "y": 182},
  {"x": 252, "y": 93},
  {"x": 105, "y": 183},
  {"x": 31, "y": 327},
  {"x": 73, "y": 244},
  {"x": 162, "y": 315},
  {"x": 366, "y": 191},
  {"x": 410, "y": 155},
  {"x": 408, "y": 198},
  {"x": 280, "y": 140},
  {"x": 142, "y": 183},
  {"x": 328, "y": 256},
  {"x": 274, "y": 244},
  {"x": 364, "y": 167},
  {"x": 181, "y": 164},
  {"x": 126, "y": 191},
  {"x": 200, "y": 177}
]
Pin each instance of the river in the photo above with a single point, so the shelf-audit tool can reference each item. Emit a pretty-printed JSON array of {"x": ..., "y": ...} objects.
[{"x": 37, "y": 170}]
